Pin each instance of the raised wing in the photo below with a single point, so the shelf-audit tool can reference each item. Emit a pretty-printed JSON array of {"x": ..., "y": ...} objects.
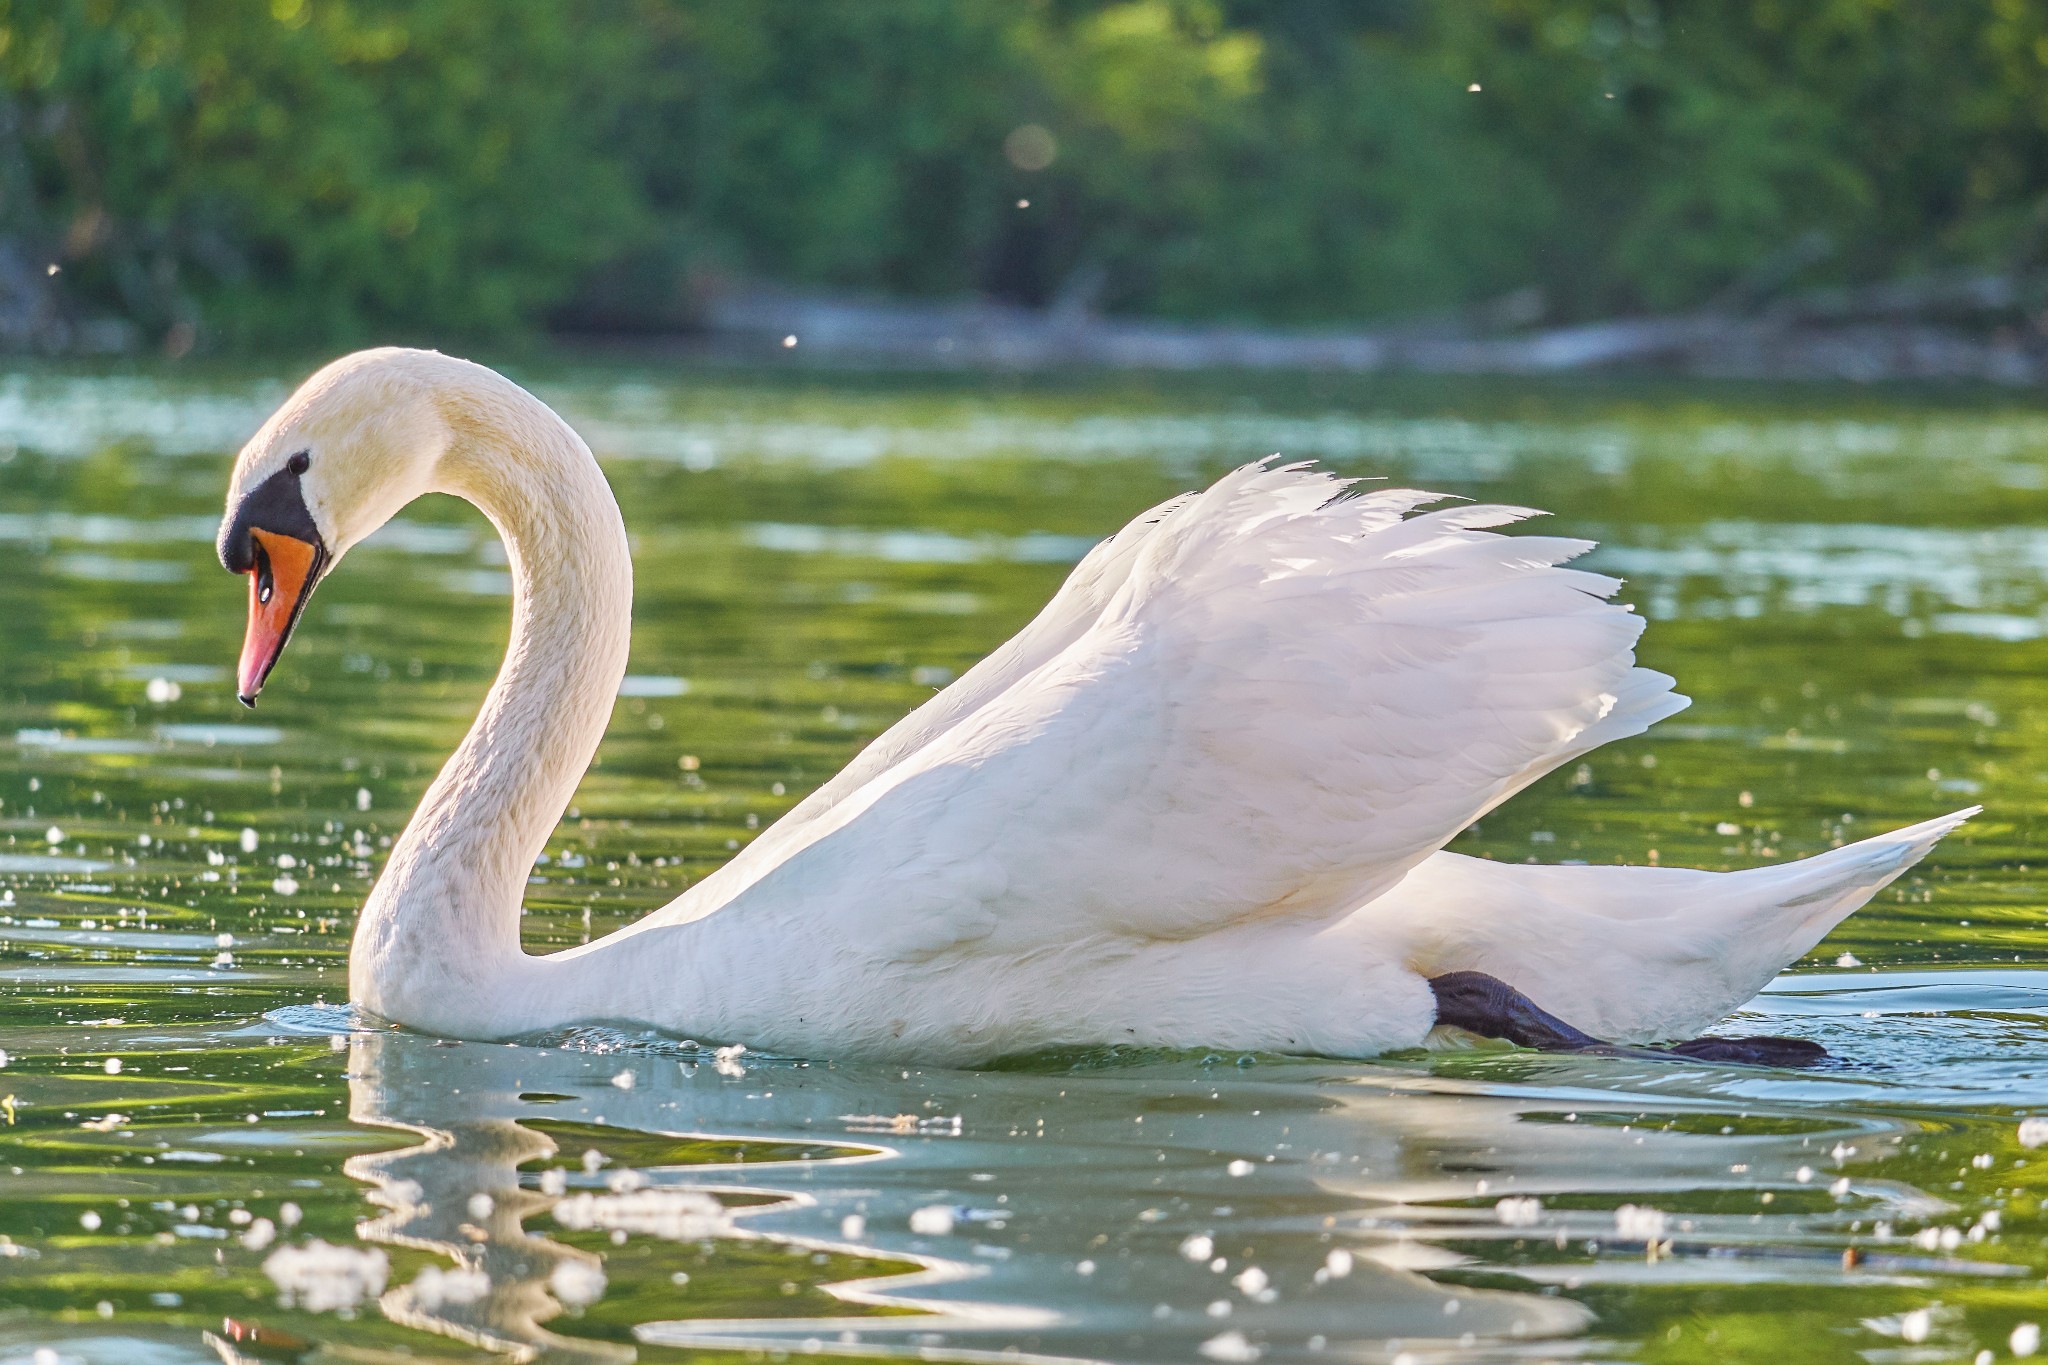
[
  {"x": 1291, "y": 698},
  {"x": 1072, "y": 610}
]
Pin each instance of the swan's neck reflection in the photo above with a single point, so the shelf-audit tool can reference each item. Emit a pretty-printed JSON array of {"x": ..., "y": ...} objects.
[{"x": 456, "y": 1193}]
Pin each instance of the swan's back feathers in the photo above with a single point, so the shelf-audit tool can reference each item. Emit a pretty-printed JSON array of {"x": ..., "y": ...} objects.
[{"x": 1291, "y": 697}]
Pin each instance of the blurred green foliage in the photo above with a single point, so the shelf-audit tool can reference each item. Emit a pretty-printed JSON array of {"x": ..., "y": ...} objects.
[{"x": 317, "y": 171}]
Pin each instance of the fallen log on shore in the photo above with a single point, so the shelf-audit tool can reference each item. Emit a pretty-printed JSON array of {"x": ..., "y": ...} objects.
[{"x": 1966, "y": 328}]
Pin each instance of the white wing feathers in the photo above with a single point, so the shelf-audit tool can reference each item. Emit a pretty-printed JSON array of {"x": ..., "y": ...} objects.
[
  {"x": 1284, "y": 702},
  {"x": 1062, "y": 620}
]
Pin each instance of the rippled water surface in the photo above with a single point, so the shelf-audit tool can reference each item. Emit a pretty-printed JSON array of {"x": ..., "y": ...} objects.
[{"x": 204, "y": 1156}]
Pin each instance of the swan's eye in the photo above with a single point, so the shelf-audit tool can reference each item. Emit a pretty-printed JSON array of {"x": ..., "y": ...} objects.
[
  {"x": 266, "y": 582},
  {"x": 299, "y": 463}
]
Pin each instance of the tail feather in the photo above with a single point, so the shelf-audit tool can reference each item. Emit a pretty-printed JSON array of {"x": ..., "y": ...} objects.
[
  {"x": 1638, "y": 954},
  {"x": 1831, "y": 885}
]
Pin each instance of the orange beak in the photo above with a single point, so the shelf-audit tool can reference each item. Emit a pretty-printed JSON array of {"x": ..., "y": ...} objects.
[{"x": 280, "y": 581}]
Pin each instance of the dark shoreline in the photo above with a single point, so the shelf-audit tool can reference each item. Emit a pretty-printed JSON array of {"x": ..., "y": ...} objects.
[{"x": 1969, "y": 331}]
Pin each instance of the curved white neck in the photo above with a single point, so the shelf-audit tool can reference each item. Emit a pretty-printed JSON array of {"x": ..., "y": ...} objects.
[{"x": 438, "y": 941}]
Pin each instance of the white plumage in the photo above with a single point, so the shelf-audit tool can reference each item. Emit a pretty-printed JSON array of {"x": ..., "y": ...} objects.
[{"x": 1199, "y": 801}]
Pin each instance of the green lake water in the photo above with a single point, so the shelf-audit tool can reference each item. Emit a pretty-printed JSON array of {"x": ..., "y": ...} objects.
[{"x": 1853, "y": 587}]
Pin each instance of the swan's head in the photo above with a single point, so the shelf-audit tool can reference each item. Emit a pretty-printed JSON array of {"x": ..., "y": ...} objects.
[{"x": 359, "y": 440}]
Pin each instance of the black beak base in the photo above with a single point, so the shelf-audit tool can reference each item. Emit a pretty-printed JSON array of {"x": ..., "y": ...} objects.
[{"x": 277, "y": 505}]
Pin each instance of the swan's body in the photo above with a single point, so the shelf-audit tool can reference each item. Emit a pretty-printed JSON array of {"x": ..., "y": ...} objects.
[{"x": 1199, "y": 801}]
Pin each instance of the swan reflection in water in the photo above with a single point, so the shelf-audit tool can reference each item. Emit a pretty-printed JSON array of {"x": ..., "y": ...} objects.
[
  {"x": 1171, "y": 1209},
  {"x": 458, "y": 1194}
]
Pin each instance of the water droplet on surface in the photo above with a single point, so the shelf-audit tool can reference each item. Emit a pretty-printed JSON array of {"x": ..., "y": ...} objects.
[
  {"x": 577, "y": 1284},
  {"x": 1228, "y": 1346},
  {"x": 934, "y": 1220},
  {"x": 1518, "y": 1211},
  {"x": 1639, "y": 1223}
]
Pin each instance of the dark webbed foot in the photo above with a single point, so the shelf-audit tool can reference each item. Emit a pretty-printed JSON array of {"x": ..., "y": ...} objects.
[
  {"x": 1761, "y": 1050},
  {"x": 1492, "y": 1008}
]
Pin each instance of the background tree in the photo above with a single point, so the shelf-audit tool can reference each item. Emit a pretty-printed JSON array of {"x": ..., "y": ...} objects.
[{"x": 245, "y": 172}]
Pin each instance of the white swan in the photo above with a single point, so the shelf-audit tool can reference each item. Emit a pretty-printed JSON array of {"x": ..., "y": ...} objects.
[{"x": 1199, "y": 801}]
